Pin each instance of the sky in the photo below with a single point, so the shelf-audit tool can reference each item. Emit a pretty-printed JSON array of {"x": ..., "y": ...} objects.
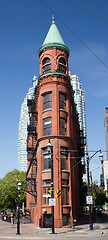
[{"x": 23, "y": 28}]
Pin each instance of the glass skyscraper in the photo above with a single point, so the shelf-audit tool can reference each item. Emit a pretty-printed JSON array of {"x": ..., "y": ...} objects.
[
  {"x": 22, "y": 134},
  {"x": 106, "y": 128},
  {"x": 106, "y": 139},
  {"x": 79, "y": 98}
]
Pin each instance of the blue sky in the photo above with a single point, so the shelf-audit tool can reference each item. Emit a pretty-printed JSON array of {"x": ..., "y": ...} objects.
[{"x": 23, "y": 27}]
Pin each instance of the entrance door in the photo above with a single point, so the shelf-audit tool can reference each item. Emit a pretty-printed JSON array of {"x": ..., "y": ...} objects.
[{"x": 47, "y": 221}]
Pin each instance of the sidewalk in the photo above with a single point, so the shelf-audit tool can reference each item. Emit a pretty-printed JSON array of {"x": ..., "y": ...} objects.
[{"x": 29, "y": 231}]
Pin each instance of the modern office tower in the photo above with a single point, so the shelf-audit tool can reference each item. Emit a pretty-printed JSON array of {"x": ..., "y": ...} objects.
[
  {"x": 106, "y": 139},
  {"x": 22, "y": 135},
  {"x": 79, "y": 98},
  {"x": 54, "y": 168}
]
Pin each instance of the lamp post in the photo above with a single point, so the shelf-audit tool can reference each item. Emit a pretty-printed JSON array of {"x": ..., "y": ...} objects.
[
  {"x": 88, "y": 179},
  {"x": 102, "y": 175},
  {"x": 18, "y": 219},
  {"x": 50, "y": 150}
]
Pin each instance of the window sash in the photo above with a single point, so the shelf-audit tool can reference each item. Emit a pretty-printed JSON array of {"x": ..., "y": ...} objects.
[
  {"x": 47, "y": 127},
  {"x": 64, "y": 158},
  {"x": 46, "y": 68},
  {"x": 45, "y": 200},
  {"x": 62, "y": 101},
  {"x": 62, "y": 126},
  {"x": 62, "y": 68},
  {"x": 65, "y": 195},
  {"x": 47, "y": 101}
]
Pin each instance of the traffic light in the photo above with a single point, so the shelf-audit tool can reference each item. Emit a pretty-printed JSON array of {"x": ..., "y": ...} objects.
[
  {"x": 57, "y": 193},
  {"x": 49, "y": 191}
]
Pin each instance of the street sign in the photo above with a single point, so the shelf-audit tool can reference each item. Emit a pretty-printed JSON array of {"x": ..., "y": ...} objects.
[
  {"x": 52, "y": 201},
  {"x": 46, "y": 195},
  {"x": 89, "y": 199},
  {"x": 32, "y": 204}
]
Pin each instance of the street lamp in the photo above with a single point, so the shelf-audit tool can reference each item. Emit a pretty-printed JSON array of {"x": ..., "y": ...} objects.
[
  {"x": 102, "y": 175},
  {"x": 50, "y": 150},
  {"x": 88, "y": 179},
  {"x": 18, "y": 219}
]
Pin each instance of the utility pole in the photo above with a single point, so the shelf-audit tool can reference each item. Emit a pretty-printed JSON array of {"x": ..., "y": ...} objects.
[{"x": 88, "y": 180}]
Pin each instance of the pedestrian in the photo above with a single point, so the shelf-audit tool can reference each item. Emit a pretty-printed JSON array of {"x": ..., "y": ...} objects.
[{"x": 12, "y": 218}]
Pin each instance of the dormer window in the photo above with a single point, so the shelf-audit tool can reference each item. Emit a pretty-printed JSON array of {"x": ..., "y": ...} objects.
[
  {"x": 46, "y": 65},
  {"x": 62, "y": 65}
]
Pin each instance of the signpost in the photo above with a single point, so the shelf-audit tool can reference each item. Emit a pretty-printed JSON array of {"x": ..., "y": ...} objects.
[
  {"x": 52, "y": 201},
  {"x": 89, "y": 199}
]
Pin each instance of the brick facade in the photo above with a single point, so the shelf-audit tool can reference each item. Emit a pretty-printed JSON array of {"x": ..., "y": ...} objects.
[{"x": 60, "y": 125}]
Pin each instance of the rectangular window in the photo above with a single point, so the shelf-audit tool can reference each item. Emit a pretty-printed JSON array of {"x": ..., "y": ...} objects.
[
  {"x": 47, "y": 101},
  {"x": 64, "y": 158},
  {"x": 62, "y": 126},
  {"x": 65, "y": 195},
  {"x": 65, "y": 192},
  {"x": 47, "y": 127},
  {"x": 45, "y": 188},
  {"x": 62, "y": 101},
  {"x": 47, "y": 161}
]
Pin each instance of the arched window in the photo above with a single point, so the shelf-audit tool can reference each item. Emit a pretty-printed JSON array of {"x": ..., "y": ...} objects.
[
  {"x": 62, "y": 65},
  {"x": 46, "y": 65}
]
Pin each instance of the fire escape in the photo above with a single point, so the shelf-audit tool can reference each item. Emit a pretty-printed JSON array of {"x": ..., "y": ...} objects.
[
  {"x": 31, "y": 153},
  {"x": 81, "y": 151}
]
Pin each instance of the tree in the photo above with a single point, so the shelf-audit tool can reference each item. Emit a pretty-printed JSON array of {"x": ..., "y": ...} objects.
[
  {"x": 99, "y": 195},
  {"x": 83, "y": 194},
  {"x": 8, "y": 189}
]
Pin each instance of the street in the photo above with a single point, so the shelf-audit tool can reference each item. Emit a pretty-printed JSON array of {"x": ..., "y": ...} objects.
[{"x": 80, "y": 231}]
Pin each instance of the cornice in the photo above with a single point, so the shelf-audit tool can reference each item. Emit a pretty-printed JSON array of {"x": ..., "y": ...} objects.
[
  {"x": 52, "y": 45},
  {"x": 54, "y": 73}
]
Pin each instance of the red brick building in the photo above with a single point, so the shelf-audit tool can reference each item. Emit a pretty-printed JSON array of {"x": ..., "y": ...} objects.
[{"x": 53, "y": 116}]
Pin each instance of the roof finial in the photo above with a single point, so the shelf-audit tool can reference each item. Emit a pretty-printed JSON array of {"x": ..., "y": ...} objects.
[{"x": 53, "y": 20}]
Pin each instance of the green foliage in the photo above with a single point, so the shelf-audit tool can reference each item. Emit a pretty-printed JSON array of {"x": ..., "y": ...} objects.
[
  {"x": 83, "y": 193},
  {"x": 8, "y": 189},
  {"x": 99, "y": 195}
]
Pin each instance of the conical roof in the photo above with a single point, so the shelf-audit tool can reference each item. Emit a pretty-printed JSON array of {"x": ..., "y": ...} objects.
[{"x": 53, "y": 39}]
